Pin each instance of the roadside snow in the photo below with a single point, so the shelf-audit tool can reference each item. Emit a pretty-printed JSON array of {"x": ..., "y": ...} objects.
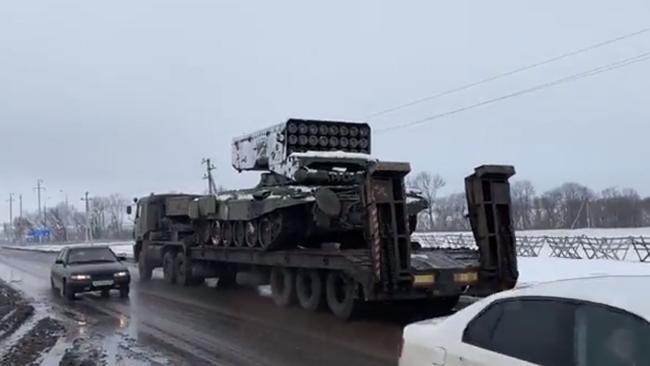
[
  {"x": 540, "y": 269},
  {"x": 119, "y": 247}
]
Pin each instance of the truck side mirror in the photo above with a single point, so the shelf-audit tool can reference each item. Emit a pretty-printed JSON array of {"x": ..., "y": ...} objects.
[
  {"x": 58, "y": 261},
  {"x": 128, "y": 210}
]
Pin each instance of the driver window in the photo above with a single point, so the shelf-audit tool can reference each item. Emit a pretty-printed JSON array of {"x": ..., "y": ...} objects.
[{"x": 605, "y": 336}]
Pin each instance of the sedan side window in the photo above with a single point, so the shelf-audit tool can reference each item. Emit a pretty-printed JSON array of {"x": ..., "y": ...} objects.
[
  {"x": 534, "y": 330},
  {"x": 607, "y": 336}
]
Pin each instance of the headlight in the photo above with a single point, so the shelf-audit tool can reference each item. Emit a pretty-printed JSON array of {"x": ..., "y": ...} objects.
[
  {"x": 80, "y": 277},
  {"x": 121, "y": 274}
]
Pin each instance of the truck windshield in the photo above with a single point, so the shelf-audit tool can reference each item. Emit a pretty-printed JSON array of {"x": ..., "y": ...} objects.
[{"x": 91, "y": 255}]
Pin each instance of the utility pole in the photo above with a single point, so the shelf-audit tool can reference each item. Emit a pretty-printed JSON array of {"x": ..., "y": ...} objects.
[
  {"x": 209, "y": 167},
  {"x": 20, "y": 199},
  {"x": 11, "y": 215},
  {"x": 67, "y": 208},
  {"x": 87, "y": 201},
  {"x": 39, "y": 187}
]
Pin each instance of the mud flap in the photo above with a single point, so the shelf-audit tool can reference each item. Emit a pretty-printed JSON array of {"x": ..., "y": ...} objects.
[{"x": 489, "y": 208}]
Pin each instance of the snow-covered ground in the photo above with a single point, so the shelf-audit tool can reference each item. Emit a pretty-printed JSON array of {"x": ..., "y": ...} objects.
[
  {"x": 594, "y": 232},
  {"x": 119, "y": 247},
  {"x": 542, "y": 269}
]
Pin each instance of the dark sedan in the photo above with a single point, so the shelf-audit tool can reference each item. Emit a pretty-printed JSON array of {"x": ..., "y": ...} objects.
[{"x": 89, "y": 268}]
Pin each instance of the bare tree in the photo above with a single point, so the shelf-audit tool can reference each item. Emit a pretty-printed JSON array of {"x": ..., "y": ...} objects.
[
  {"x": 523, "y": 195},
  {"x": 429, "y": 185},
  {"x": 116, "y": 209}
]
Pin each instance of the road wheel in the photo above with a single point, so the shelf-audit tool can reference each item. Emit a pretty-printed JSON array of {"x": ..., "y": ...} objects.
[
  {"x": 309, "y": 289},
  {"x": 283, "y": 289},
  {"x": 168, "y": 267},
  {"x": 240, "y": 234},
  {"x": 215, "y": 233},
  {"x": 106, "y": 293},
  {"x": 251, "y": 233},
  {"x": 144, "y": 269},
  {"x": 124, "y": 292},
  {"x": 226, "y": 233},
  {"x": 266, "y": 232},
  {"x": 67, "y": 292},
  {"x": 340, "y": 291},
  {"x": 183, "y": 269}
]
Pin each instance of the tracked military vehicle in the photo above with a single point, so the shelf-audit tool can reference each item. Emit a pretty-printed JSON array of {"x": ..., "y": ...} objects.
[
  {"x": 327, "y": 223},
  {"x": 309, "y": 192}
]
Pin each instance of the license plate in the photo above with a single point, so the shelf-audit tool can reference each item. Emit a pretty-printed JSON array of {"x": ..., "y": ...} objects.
[{"x": 103, "y": 283}]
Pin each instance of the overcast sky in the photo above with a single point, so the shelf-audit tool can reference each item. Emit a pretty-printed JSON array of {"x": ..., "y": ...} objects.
[{"x": 128, "y": 96}]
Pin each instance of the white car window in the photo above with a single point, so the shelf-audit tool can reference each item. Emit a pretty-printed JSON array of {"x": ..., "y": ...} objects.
[
  {"x": 534, "y": 330},
  {"x": 608, "y": 337}
]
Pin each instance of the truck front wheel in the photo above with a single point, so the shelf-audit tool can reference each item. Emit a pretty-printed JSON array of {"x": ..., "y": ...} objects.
[
  {"x": 340, "y": 291},
  {"x": 283, "y": 290},
  {"x": 309, "y": 289},
  {"x": 144, "y": 269},
  {"x": 169, "y": 273}
]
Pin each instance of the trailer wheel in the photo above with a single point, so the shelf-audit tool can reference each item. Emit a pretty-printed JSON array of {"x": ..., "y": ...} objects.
[
  {"x": 340, "y": 292},
  {"x": 227, "y": 277},
  {"x": 283, "y": 290},
  {"x": 169, "y": 274},
  {"x": 144, "y": 269},
  {"x": 442, "y": 305},
  {"x": 309, "y": 289},
  {"x": 183, "y": 270}
]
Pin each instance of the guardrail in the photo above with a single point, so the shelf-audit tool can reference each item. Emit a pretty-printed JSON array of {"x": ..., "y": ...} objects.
[{"x": 571, "y": 247}]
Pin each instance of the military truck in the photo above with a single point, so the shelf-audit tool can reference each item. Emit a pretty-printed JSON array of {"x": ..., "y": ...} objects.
[{"x": 327, "y": 225}]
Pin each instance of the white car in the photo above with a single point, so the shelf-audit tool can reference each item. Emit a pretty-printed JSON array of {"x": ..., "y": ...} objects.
[{"x": 598, "y": 321}]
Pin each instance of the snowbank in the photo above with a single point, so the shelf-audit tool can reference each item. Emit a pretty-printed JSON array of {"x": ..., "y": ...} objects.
[{"x": 119, "y": 247}]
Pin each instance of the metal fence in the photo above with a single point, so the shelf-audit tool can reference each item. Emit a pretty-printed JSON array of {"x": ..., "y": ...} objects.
[{"x": 572, "y": 247}]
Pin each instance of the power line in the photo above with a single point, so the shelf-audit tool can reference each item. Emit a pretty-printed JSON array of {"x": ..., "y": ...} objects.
[
  {"x": 595, "y": 71},
  {"x": 512, "y": 72}
]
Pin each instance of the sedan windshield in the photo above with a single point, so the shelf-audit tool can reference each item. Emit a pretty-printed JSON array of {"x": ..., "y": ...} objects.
[{"x": 91, "y": 255}]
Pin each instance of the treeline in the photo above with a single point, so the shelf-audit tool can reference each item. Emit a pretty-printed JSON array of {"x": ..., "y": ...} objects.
[
  {"x": 106, "y": 220},
  {"x": 571, "y": 205}
]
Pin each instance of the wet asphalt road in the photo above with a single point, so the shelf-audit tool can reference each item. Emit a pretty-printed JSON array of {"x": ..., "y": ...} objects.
[{"x": 169, "y": 325}]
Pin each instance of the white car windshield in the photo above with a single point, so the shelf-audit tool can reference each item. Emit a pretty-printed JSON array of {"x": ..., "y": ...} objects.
[{"x": 91, "y": 255}]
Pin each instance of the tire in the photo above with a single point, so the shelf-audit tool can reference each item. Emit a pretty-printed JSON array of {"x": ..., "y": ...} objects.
[
  {"x": 106, "y": 293},
  {"x": 340, "y": 292},
  {"x": 442, "y": 305},
  {"x": 169, "y": 273},
  {"x": 144, "y": 269},
  {"x": 227, "y": 274},
  {"x": 309, "y": 289},
  {"x": 183, "y": 270},
  {"x": 124, "y": 292},
  {"x": 283, "y": 286},
  {"x": 67, "y": 292}
]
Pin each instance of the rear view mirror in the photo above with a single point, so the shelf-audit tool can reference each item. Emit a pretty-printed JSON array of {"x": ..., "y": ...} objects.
[
  {"x": 128, "y": 210},
  {"x": 58, "y": 261},
  {"x": 121, "y": 257}
]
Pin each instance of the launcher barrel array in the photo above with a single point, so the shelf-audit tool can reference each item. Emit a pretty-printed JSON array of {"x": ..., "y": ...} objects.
[{"x": 270, "y": 149}]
